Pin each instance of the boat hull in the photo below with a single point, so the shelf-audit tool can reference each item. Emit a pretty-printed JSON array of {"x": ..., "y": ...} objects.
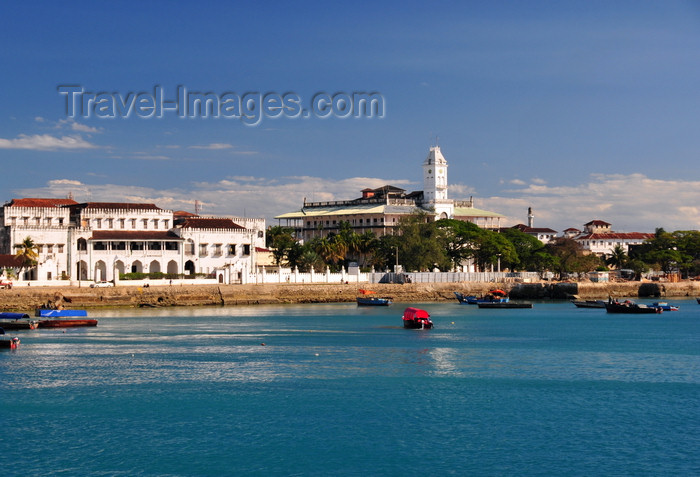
[
  {"x": 589, "y": 303},
  {"x": 19, "y": 325},
  {"x": 66, "y": 323},
  {"x": 373, "y": 301},
  {"x": 631, "y": 308},
  {"x": 12, "y": 343}
]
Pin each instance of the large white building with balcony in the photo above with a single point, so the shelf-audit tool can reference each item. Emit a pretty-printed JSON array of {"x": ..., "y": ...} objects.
[
  {"x": 380, "y": 210},
  {"x": 100, "y": 240}
]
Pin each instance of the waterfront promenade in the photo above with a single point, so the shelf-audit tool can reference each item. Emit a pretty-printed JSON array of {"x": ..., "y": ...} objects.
[{"x": 28, "y": 298}]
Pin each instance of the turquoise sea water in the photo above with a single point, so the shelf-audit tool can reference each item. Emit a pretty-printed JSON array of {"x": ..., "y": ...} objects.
[{"x": 342, "y": 390}]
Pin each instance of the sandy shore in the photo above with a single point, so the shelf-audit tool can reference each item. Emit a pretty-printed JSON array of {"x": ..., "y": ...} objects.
[{"x": 28, "y": 298}]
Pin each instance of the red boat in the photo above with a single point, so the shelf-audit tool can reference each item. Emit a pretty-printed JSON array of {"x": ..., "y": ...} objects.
[
  {"x": 415, "y": 318},
  {"x": 67, "y": 323},
  {"x": 11, "y": 343}
]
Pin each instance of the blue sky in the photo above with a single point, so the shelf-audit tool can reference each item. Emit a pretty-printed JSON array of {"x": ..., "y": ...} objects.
[{"x": 582, "y": 110}]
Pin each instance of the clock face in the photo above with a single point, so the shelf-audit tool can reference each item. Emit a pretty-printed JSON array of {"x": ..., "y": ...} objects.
[{"x": 430, "y": 171}]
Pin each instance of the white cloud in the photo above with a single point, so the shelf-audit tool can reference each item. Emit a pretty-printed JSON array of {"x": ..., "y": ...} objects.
[
  {"x": 219, "y": 146},
  {"x": 46, "y": 142},
  {"x": 75, "y": 126},
  {"x": 631, "y": 203},
  {"x": 214, "y": 146}
]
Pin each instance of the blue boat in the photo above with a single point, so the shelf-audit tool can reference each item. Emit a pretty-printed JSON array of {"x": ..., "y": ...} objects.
[
  {"x": 665, "y": 306},
  {"x": 373, "y": 301},
  {"x": 474, "y": 300}
]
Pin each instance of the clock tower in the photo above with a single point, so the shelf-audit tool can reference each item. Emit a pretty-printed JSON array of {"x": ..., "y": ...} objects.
[{"x": 435, "y": 184}]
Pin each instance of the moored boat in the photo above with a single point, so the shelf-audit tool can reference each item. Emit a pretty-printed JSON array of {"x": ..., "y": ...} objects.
[
  {"x": 589, "y": 303},
  {"x": 373, "y": 301},
  {"x": 415, "y": 318},
  {"x": 665, "y": 306},
  {"x": 631, "y": 307},
  {"x": 365, "y": 300},
  {"x": 17, "y": 321},
  {"x": 493, "y": 296},
  {"x": 67, "y": 323},
  {"x": 9, "y": 343}
]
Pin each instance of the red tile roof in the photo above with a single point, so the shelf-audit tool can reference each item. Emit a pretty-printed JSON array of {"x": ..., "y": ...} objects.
[
  {"x": 617, "y": 236},
  {"x": 10, "y": 261},
  {"x": 200, "y": 223},
  {"x": 117, "y": 206},
  {"x": 35, "y": 202},
  {"x": 133, "y": 235}
]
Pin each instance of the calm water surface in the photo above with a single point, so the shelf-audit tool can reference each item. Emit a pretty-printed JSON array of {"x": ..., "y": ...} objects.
[{"x": 342, "y": 390}]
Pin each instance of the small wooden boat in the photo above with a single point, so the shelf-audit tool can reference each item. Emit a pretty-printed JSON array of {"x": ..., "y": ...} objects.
[
  {"x": 373, "y": 301},
  {"x": 415, "y": 318},
  {"x": 9, "y": 342},
  {"x": 66, "y": 323},
  {"x": 665, "y": 306},
  {"x": 628, "y": 306},
  {"x": 17, "y": 321},
  {"x": 509, "y": 304},
  {"x": 589, "y": 303},
  {"x": 490, "y": 297}
]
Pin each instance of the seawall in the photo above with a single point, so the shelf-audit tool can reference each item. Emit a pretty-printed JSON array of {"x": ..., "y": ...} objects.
[{"x": 26, "y": 299}]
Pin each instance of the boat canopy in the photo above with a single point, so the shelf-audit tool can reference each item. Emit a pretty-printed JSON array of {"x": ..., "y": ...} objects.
[
  {"x": 411, "y": 313},
  {"x": 13, "y": 316}
]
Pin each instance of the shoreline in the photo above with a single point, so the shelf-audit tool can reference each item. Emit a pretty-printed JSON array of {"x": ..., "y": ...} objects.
[{"x": 27, "y": 299}]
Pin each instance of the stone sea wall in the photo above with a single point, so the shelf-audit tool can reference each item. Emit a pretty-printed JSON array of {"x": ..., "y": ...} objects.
[{"x": 28, "y": 298}]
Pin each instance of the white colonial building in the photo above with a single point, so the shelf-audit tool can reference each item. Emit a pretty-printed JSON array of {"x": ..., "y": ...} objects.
[
  {"x": 380, "y": 210},
  {"x": 100, "y": 240},
  {"x": 598, "y": 238}
]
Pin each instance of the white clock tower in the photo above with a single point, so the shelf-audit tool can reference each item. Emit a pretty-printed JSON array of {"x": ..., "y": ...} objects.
[{"x": 435, "y": 184}]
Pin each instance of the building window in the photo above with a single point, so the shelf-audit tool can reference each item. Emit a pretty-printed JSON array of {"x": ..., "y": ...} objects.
[
  {"x": 49, "y": 248},
  {"x": 133, "y": 223},
  {"x": 246, "y": 249},
  {"x": 232, "y": 249},
  {"x": 59, "y": 248},
  {"x": 25, "y": 220},
  {"x": 155, "y": 223},
  {"x": 98, "y": 223},
  {"x": 203, "y": 249},
  {"x": 47, "y": 222},
  {"x": 122, "y": 223},
  {"x": 110, "y": 223},
  {"x": 145, "y": 224},
  {"x": 217, "y": 249},
  {"x": 166, "y": 223}
]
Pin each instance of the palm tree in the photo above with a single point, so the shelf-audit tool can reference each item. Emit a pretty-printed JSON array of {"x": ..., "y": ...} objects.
[
  {"x": 27, "y": 254},
  {"x": 617, "y": 258}
]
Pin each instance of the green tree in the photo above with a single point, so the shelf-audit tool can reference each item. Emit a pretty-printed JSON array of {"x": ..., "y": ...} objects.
[
  {"x": 27, "y": 254},
  {"x": 617, "y": 258},
  {"x": 459, "y": 239},
  {"x": 422, "y": 244},
  {"x": 526, "y": 247}
]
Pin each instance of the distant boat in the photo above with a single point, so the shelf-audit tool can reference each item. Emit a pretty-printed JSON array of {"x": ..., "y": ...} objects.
[
  {"x": 373, "y": 301},
  {"x": 9, "y": 342},
  {"x": 628, "y": 306},
  {"x": 665, "y": 306},
  {"x": 415, "y": 318},
  {"x": 66, "y": 323},
  {"x": 17, "y": 321},
  {"x": 365, "y": 300},
  {"x": 493, "y": 296},
  {"x": 589, "y": 303}
]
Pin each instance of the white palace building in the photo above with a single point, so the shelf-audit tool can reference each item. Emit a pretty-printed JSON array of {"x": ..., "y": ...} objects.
[
  {"x": 380, "y": 210},
  {"x": 99, "y": 240}
]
